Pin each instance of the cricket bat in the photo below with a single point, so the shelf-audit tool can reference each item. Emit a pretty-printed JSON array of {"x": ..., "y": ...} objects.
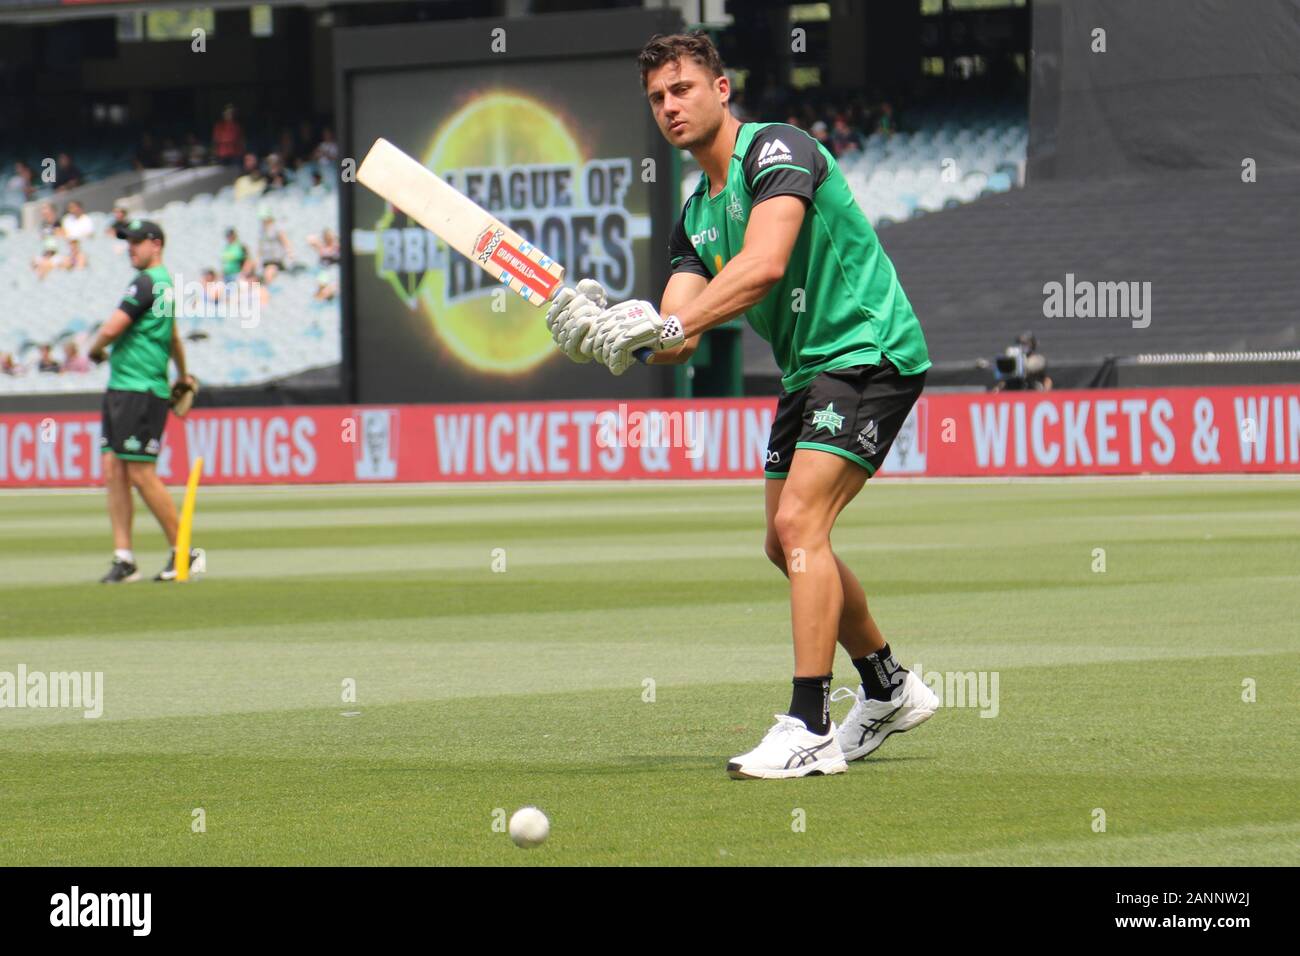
[{"x": 461, "y": 223}]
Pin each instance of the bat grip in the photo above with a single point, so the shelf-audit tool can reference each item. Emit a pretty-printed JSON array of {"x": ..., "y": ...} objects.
[{"x": 643, "y": 355}]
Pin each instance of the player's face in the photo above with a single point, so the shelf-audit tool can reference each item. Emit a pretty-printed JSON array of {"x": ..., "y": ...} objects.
[
  {"x": 688, "y": 102},
  {"x": 143, "y": 252}
]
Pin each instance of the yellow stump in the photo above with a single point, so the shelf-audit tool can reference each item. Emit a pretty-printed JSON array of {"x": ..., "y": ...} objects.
[{"x": 186, "y": 528}]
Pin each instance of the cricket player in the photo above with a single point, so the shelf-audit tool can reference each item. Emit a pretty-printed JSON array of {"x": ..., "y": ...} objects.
[
  {"x": 773, "y": 232},
  {"x": 144, "y": 338}
]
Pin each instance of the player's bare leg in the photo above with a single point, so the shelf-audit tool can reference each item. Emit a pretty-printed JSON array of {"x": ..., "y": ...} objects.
[
  {"x": 817, "y": 489},
  {"x": 858, "y": 633},
  {"x": 121, "y": 509},
  {"x": 804, "y": 741},
  {"x": 121, "y": 513},
  {"x": 144, "y": 477},
  {"x": 890, "y": 698}
]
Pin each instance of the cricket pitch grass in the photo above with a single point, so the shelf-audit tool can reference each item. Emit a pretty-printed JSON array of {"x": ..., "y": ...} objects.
[{"x": 601, "y": 651}]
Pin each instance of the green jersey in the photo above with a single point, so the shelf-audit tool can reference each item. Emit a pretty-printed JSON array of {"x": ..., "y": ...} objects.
[
  {"x": 839, "y": 303},
  {"x": 233, "y": 255},
  {"x": 140, "y": 355}
]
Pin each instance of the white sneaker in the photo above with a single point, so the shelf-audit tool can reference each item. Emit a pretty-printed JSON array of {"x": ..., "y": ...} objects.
[
  {"x": 790, "y": 749},
  {"x": 871, "y": 721}
]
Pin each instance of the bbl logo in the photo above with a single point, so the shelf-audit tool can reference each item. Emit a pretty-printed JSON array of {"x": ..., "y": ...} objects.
[{"x": 517, "y": 158}]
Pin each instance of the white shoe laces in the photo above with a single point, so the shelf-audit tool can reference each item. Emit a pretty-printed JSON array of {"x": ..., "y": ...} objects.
[
  {"x": 785, "y": 724},
  {"x": 840, "y": 693}
]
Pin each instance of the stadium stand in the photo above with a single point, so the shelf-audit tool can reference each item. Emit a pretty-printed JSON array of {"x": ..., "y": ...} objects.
[
  {"x": 294, "y": 331},
  {"x": 950, "y": 159}
]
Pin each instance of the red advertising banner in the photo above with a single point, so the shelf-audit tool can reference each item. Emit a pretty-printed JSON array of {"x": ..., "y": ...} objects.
[{"x": 1169, "y": 431}]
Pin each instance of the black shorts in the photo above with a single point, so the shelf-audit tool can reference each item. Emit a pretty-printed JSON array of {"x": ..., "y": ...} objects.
[
  {"x": 133, "y": 424},
  {"x": 853, "y": 412}
]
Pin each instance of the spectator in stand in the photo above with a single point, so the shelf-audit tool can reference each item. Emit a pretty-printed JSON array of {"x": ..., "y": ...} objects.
[
  {"x": 820, "y": 133},
  {"x": 120, "y": 216},
  {"x": 47, "y": 362},
  {"x": 235, "y": 260},
  {"x": 50, "y": 226},
  {"x": 327, "y": 289},
  {"x": 844, "y": 139},
  {"x": 885, "y": 125},
  {"x": 326, "y": 246},
  {"x": 328, "y": 150},
  {"x": 66, "y": 174},
  {"x": 8, "y": 366},
  {"x": 214, "y": 293},
  {"x": 171, "y": 155},
  {"x": 119, "y": 220},
  {"x": 227, "y": 138},
  {"x": 317, "y": 188},
  {"x": 287, "y": 149},
  {"x": 146, "y": 157},
  {"x": 273, "y": 247},
  {"x": 277, "y": 177},
  {"x": 76, "y": 224},
  {"x": 196, "y": 154},
  {"x": 76, "y": 257},
  {"x": 49, "y": 259},
  {"x": 20, "y": 183},
  {"x": 73, "y": 360},
  {"x": 252, "y": 182}
]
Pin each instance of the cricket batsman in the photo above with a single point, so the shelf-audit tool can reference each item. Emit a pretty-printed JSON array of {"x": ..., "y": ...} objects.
[
  {"x": 144, "y": 338},
  {"x": 773, "y": 232}
]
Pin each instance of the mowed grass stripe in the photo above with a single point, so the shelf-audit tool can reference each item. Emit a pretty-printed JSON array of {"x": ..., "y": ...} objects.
[
  {"x": 615, "y": 785},
  {"x": 477, "y": 690}
]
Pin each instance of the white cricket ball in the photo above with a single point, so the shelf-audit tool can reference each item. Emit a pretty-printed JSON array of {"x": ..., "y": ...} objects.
[{"x": 529, "y": 827}]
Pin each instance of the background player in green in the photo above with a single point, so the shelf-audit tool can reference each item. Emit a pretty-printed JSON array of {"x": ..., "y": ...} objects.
[
  {"x": 773, "y": 231},
  {"x": 144, "y": 338}
]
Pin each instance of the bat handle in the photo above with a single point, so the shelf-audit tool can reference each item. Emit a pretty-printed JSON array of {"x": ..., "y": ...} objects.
[{"x": 643, "y": 355}]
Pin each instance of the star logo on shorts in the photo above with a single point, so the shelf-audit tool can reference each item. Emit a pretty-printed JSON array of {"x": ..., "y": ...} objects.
[{"x": 827, "y": 419}]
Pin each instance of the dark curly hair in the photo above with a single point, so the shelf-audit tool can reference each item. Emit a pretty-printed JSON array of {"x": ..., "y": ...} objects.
[{"x": 669, "y": 48}]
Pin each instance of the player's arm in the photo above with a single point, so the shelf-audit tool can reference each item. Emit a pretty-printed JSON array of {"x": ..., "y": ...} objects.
[
  {"x": 743, "y": 282},
  {"x": 681, "y": 289},
  {"x": 178, "y": 353},
  {"x": 138, "y": 298},
  {"x": 781, "y": 185},
  {"x": 108, "y": 333},
  {"x": 689, "y": 278}
]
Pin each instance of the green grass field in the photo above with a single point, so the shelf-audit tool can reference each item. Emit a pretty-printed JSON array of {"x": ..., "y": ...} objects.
[{"x": 480, "y": 690}]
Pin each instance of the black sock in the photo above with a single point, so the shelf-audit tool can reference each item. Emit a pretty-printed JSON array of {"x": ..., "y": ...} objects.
[
  {"x": 881, "y": 673},
  {"x": 811, "y": 703}
]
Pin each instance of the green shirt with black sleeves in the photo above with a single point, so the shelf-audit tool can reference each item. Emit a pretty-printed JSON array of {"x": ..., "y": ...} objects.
[
  {"x": 839, "y": 303},
  {"x": 140, "y": 355}
]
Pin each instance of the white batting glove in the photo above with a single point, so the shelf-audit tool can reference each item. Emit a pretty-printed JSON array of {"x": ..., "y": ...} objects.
[
  {"x": 628, "y": 327},
  {"x": 571, "y": 315}
]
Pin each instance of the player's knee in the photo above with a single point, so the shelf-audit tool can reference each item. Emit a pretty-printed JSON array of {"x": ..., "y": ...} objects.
[
  {"x": 792, "y": 524},
  {"x": 139, "y": 472},
  {"x": 775, "y": 553}
]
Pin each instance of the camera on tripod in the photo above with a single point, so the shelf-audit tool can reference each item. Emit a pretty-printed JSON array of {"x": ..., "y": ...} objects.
[{"x": 1021, "y": 367}]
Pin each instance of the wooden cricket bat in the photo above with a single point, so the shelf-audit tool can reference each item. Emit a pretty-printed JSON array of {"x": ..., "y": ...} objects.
[{"x": 469, "y": 229}]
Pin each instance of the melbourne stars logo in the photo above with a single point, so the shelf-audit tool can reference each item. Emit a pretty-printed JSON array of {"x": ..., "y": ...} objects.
[
  {"x": 521, "y": 160},
  {"x": 827, "y": 418}
]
